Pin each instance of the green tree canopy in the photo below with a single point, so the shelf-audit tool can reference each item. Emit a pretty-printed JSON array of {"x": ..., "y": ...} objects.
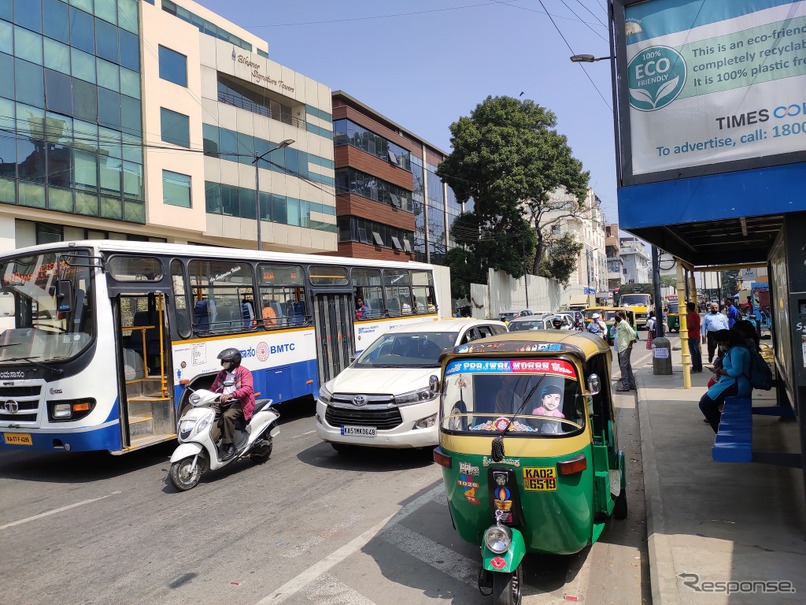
[{"x": 508, "y": 158}]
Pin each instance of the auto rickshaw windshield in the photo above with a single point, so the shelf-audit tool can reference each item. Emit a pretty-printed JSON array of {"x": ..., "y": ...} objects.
[{"x": 541, "y": 397}]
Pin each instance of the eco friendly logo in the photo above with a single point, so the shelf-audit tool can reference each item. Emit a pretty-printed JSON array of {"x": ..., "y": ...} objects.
[{"x": 656, "y": 76}]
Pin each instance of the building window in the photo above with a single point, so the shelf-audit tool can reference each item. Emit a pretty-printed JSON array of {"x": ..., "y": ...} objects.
[
  {"x": 175, "y": 127},
  {"x": 176, "y": 189},
  {"x": 173, "y": 66}
]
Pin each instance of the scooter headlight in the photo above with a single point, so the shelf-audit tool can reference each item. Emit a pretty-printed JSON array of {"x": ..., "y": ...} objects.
[
  {"x": 194, "y": 399},
  {"x": 498, "y": 538},
  {"x": 186, "y": 427},
  {"x": 204, "y": 423}
]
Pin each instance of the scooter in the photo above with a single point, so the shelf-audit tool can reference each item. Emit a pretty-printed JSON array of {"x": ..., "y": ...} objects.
[{"x": 197, "y": 452}]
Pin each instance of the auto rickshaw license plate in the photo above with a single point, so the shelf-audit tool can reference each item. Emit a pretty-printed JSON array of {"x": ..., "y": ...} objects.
[{"x": 538, "y": 479}]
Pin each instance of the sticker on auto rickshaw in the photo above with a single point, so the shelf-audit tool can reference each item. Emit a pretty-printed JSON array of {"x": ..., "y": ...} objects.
[{"x": 538, "y": 479}]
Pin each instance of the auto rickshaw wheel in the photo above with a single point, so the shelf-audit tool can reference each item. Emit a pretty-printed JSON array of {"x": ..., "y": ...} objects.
[
  {"x": 620, "y": 507},
  {"x": 507, "y": 587}
]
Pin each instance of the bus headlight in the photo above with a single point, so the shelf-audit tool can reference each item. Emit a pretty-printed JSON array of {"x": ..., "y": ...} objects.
[
  {"x": 498, "y": 538},
  {"x": 62, "y": 411},
  {"x": 73, "y": 409},
  {"x": 417, "y": 396}
]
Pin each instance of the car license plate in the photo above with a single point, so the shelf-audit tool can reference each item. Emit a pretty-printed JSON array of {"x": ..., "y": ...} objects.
[
  {"x": 539, "y": 479},
  {"x": 358, "y": 431},
  {"x": 18, "y": 439}
]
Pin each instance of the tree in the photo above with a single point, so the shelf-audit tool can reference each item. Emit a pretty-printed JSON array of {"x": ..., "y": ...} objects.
[
  {"x": 509, "y": 159},
  {"x": 561, "y": 259},
  {"x": 668, "y": 281}
]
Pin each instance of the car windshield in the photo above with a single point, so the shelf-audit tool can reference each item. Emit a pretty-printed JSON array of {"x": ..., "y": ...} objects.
[
  {"x": 529, "y": 324},
  {"x": 35, "y": 327},
  {"x": 507, "y": 316},
  {"x": 537, "y": 396},
  {"x": 406, "y": 350}
]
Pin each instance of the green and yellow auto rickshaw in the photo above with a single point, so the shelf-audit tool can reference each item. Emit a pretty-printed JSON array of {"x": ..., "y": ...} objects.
[
  {"x": 673, "y": 317},
  {"x": 528, "y": 446}
]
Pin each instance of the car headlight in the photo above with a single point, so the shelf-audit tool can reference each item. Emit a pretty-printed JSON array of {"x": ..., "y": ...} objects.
[
  {"x": 498, "y": 538},
  {"x": 324, "y": 394},
  {"x": 417, "y": 396}
]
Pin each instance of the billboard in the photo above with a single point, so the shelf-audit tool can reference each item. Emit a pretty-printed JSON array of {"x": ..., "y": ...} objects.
[{"x": 709, "y": 86}]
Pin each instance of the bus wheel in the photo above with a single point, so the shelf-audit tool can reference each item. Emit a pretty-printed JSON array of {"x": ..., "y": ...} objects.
[
  {"x": 184, "y": 475},
  {"x": 507, "y": 587},
  {"x": 261, "y": 451}
]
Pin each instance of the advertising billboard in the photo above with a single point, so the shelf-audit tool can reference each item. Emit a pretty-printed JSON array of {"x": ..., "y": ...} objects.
[{"x": 709, "y": 86}]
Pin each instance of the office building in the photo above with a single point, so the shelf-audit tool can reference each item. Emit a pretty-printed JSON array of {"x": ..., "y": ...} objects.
[{"x": 127, "y": 119}]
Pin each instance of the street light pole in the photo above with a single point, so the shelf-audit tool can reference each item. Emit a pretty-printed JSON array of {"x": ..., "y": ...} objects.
[{"x": 256, "y": 162}]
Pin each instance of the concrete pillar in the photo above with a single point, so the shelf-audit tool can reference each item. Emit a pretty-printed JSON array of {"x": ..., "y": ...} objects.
[{"x": 661, "y": 356}]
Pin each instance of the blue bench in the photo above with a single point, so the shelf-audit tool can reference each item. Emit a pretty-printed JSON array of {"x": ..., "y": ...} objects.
[{"x": 734, "y": 439}]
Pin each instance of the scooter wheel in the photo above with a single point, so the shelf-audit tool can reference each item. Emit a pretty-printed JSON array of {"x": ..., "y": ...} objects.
[
  {"x": 260, "y": 453},
  {"x": 507, "y": 587},
  {"x": 184, "y": 476}
]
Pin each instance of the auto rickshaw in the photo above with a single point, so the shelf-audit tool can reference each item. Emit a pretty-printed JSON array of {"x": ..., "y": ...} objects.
[
  {"x": 673, "y": 317},
  {"x": 608, "y": 314},
  {"x": 528, "y": 446}
]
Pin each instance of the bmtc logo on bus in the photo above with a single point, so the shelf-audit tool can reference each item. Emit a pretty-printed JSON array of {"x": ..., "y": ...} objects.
[{"x": 657, "y": 75}]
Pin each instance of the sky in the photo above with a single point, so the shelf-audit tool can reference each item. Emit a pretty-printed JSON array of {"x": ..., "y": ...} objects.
[{"x": 426, "y": 63}]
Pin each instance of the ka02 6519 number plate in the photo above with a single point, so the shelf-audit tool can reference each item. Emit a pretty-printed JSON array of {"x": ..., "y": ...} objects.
[
  {"x": 539, "y": 479},
  {"x": 358, "y": 431}
]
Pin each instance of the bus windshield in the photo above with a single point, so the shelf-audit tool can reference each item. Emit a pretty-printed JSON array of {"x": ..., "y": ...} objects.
[{"x": 32, "y": 328}]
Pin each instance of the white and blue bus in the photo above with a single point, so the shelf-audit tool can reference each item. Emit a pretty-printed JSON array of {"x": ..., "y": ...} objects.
[{"x": 100, "y": 338}]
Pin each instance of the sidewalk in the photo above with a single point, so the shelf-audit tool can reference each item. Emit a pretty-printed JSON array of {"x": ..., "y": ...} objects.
[{"x": 724, "y": 523}]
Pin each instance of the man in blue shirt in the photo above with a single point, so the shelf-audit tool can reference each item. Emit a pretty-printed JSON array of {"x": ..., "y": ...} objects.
[
  {"x": 732, "y": 312},
  {"x": 712, "y": 323}
]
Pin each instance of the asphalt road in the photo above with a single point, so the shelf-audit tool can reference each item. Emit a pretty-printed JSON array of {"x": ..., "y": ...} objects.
[{"x": 309, "y": 526}]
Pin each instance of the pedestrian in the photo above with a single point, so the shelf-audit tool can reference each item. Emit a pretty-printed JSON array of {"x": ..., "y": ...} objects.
[
  {"x": 625, "y": 337},
  {"x": 731, "y": 312},
  {"x": 650, "y": 329},
  {"x": 712, "y": 323},
  {"x": 693, "y": 323},
  {"x": 597, "y": 326},
  {"x": 734, "y": 376}
]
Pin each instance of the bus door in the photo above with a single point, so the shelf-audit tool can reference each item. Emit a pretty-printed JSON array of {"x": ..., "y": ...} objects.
[
  {"x": 333, "y": 315},
  {"x": 147, "y": 409}
]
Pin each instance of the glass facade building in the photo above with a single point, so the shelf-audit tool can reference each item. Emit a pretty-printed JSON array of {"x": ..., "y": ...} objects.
[
  {"x": 77, "y": 138},
  {"x": 70, "y": 114}
]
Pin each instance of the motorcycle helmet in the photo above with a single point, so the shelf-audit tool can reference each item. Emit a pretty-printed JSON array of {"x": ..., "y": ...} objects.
[{"x": 232, "y": 356}]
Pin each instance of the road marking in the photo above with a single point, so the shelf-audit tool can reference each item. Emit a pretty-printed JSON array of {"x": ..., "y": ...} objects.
[
  {"x": 329, "y": 589},
  {"x": 294, "y": 585},
  {"x": 436, "y": 555},
  {"x": 307, "y": 545},
  {"x": 303, "y": 434},
  {"x": 53, "y": 512}
]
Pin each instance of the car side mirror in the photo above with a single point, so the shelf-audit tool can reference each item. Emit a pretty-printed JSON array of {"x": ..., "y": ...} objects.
[{"x": 433, "y": 385}]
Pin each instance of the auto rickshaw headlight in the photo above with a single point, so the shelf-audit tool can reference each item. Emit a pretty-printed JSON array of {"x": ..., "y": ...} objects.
[{"x": 498, "y": 538}]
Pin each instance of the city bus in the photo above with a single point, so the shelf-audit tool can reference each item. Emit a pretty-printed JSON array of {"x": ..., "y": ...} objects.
[{"x": 101, "y": 339}]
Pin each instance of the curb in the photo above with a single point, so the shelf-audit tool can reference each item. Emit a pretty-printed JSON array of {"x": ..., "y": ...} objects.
[{"x": 661, "y": 563}]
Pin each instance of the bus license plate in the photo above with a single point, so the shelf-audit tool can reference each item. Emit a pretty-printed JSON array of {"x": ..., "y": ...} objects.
[
  {"x": 539, "y": 479},
  {"x": 18, "y": 439},
  {"x": 358, "y": 431}
]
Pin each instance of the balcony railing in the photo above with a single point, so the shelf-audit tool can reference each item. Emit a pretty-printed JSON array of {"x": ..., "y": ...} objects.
[{"x": 242, "y": 103}]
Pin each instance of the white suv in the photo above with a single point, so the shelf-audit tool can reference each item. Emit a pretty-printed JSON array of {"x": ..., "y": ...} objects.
[{"x": 383, "y": 398}]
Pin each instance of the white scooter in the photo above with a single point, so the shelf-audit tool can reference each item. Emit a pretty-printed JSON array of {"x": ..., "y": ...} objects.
[{"x": 197, "y": 453}]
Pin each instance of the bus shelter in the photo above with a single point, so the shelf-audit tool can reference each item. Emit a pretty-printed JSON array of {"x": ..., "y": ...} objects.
[{"x": 710, "y": 122}]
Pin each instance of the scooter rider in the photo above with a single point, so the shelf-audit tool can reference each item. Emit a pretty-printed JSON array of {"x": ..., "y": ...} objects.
[{"x": 237, "y": 400}]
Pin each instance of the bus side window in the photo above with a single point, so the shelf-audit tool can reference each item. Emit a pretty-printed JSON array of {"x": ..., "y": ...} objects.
[{"x": 201, "y": 316}]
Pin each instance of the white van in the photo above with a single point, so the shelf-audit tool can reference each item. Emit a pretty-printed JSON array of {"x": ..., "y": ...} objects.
[{"x": 383, "y": 399}]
